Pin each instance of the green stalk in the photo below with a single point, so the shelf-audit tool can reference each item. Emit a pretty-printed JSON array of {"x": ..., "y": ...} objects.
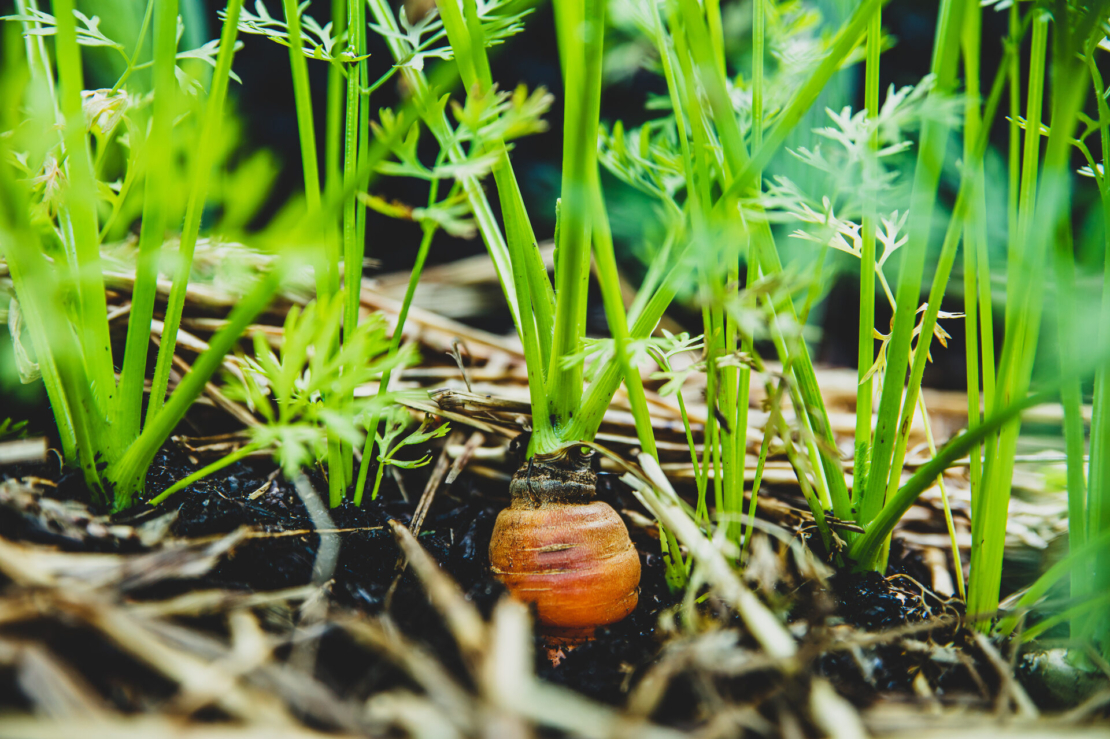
[
  {"x": 732, "y": 458},
  {"x": 521, "y": 250},
  {"x": 51, "y": 334},
  {"x": 202, "y": 170},
  {"x": 38, "y": 60},
  {"x": 717, "y": 34},
  {"x": 336, "y": 81},
  {"x": 753, "y": 506},
  {"x": 925, "y": 338},
  {"x": 786, "y": 355},
  {"x": 159, "y": 149},
  {"x": 379, "y": 473},
  {"x": 1073, "y": 614},
  {"x": 712, "y": 452},
  {"x": 866, "y": 549},
  {"x": 843, "y": 44},
  {"x": 339, "y": 453},
  {"x": 737, "y": 161},
  {"x": 1097, "y": 522},
  {"x": 759, "y": 40},
  {"x": 655, "y": 271},
  {"x": 701, "y": 511},
  {"x": 351, "y": 251},
  {"x": 139, "y": 41},
  {"x": 19, "y": 242},
  {"x": 354, "y": 250},
  {"x": 1081, "y": 558},
  {"x": 974, "y": 232},
  {"x": 529, "y": 276},
  {"x": 477, "y": 35},
  {"x": 394, "y": 346},
  {"x": 1071, "y": 396},
  {"x": 696, "y": 161},
  {"x": 1015, "y": 140},
  {"x": 572, "y": 274},
  {"x": 970, "y": 188},
  {"x": 987, "y": 537},
  {"x": 129, "y": 472},
  {"x": 1069, "y": 78},
  {"x": 609, "y": 281},
  {"x": 923, "y": 199},
  {"x": 866, "y": 353},
  {"x": 602, "y": 389},
  {"x": 957, "y": 563},
  {"x": 305, "y": 127},
  {"x": 80, "y": 204}
]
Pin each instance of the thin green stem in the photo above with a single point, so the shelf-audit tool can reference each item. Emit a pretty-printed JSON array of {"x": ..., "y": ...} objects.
[
  {"x": 1071, "y": 396},
  {"x": 36, "y": 288},
  {"x": 202, "y": 168},
  {"x": 302, "y": 96},
  {"x": 139, "y": 41},
  {"x": 1023, "y": 324},
  {"x": 923, "y": 199},
  {"x": 753, "y": 506},
  {"x": 974, "y": 233},
  {"x": 867, "y": 547},
  {"x": 429, "y": 230},
  {"x": 843, "y": 44},
  {"x": 129, "y": 411},
  {"x": 1097, "y": 522},
  {"x": 336, "y": 80},
  {"x": 80, "y": 205},
  {"x": 925, "y": 338},
  {"x": 582, "y": 109},
  {"x": 609, "y": 281},
  {"x": 865, "y": 356},
  {"x": 601, "y": 390},
  {"x": 129, "y": 472},
  {"x": 521, "y": 252}
]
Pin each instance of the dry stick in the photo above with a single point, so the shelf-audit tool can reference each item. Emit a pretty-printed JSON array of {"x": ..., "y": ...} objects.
[
  {"x": 460, "y": 615},
  {"x": 659, "y": 497},
  {"x": 315, "y": 610},
  {"x": 20, "y": 451},
  {"x": 479, "y": 424},
  {"x": 434, "y": 481},
  {"x": 957, "y": 564},
  {"x": 476, "y": 440},
  {"x": 1011, "y": 688},
  {"x": 457, "y": 355},
  {"x": 438, "y": 473}
]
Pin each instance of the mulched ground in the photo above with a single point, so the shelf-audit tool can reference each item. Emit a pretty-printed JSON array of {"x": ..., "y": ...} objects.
[{"x": 369, "y": 576}]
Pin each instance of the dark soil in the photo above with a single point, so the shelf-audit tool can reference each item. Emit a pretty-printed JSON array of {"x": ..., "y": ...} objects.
[{"x": 456, "y": 533}]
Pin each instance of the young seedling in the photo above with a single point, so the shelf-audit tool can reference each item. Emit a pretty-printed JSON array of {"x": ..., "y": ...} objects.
[{"x": 55, "y": 258}]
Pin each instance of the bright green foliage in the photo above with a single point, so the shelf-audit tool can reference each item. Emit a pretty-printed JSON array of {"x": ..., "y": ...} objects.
[
  {"x": 305, "y": 394},
  {"x": 396, "y": 421},
  {"x": 499, "y": 116},
  {"x": 63, "y": 300}
]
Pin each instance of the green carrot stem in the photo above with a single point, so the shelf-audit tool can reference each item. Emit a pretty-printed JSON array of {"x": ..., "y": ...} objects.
[
  {"x": 865, "y": 356},
  {"x": 303, "y": 98},
  {"x": 582, "y": 109},
  {"x": 80, "y": 210},
  {"x": 129, "y": 472},
  {"x": 202, "y": 167},
  {"x": 1019, "y": 348},
  {"x": 923, "y": 199}
]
